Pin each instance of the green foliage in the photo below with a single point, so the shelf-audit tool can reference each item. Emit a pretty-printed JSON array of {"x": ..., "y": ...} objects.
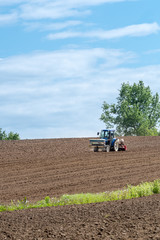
[
  {"x": 9, "y": 136},
  {"x": 156, "y": 186},
  {"x": 143, "y": 189},
  {"x": 47, "y": 200},
  {"x": 137, "y": 111},
  {"x": 3, "y": 134}
]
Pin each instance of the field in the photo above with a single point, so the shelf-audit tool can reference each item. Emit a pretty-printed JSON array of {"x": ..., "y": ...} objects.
[{"x": 34, "y": 169}]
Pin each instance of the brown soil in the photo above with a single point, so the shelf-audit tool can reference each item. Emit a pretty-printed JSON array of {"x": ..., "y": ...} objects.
[
  {"x": 121, "y": 220},
  {"x": 38, "y": 168}
]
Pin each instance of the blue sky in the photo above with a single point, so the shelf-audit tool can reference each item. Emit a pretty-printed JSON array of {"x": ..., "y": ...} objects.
[{"x": 59, "y": 60}]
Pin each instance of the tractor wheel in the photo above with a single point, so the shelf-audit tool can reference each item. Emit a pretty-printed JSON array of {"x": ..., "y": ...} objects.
[
  {"x": 108, "y": 148},
  {"x": 95, "y": 149},
  {"x": 116, "y": 146}
]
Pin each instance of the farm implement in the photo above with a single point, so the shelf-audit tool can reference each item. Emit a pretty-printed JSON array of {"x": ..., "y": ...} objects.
[{"x": 107, "y": 142}]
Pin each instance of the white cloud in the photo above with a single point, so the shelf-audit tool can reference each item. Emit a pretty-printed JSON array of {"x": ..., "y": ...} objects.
[
  {"x": 42, "y": 89},
  {"x": 8, "y": 18},
  {"x": 153, "y": 51},
  {"x": 51, "y": 83},
  {"x": 132, "y": 30},
  {"x": 51, "y": 26},
  {"x": 42, "y": 9},
  {"x": 48, "y": 9},
  {"x": 64, "y": 63},
  {"x": 60, "y": 2}
]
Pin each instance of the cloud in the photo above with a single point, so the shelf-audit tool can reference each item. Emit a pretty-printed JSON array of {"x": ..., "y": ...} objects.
[
  {"x": 59, "y": 2},
  {"x": 42, "y": 15},
  {"x": 51, "y": 26},
  {"x": 132, "y": 31},
  {"x": 41, "y": 90},
  {"x": 153, "y": 51},
  {"x": 57, "y": 9},
  {"x": 8, "y": 18},
  {"x": 49, "y": 11},
  {"x": 43, "y": 86},
  {"x": 63, "y": 63},
  {"x": 40, "y": 9},
  {"x": 82, "y": 3}
]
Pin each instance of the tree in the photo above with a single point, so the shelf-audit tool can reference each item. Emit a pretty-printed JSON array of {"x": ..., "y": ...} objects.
[
  {"x": 137, "y": 111},
  {"x": 9, "y": 136},
  {"x": 3, "y": 134}
]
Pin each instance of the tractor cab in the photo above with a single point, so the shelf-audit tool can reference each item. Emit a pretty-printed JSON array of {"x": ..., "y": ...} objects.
[{"x": 108, "y": 135}]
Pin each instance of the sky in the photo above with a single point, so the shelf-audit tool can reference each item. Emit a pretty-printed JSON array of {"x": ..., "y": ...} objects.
[{"x": 61, "y": 59}]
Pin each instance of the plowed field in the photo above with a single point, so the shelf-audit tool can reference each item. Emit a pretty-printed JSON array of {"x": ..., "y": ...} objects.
[{"x": 52, "y": 167}]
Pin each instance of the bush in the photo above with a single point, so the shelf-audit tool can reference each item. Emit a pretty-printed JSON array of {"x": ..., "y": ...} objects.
[
  {"x": 156, "y": 186},
  {"x": 9, "y": 136}
]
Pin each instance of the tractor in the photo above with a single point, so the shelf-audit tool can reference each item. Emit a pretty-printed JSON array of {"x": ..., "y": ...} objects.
[{"x": 107, "y": 142}]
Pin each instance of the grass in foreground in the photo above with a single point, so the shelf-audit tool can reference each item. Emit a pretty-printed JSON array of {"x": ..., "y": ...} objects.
[{"x": 141, "y": 190}]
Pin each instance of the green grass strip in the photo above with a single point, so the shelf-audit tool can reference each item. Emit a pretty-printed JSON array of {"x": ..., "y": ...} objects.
[{"x": 141, "y": 190}]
